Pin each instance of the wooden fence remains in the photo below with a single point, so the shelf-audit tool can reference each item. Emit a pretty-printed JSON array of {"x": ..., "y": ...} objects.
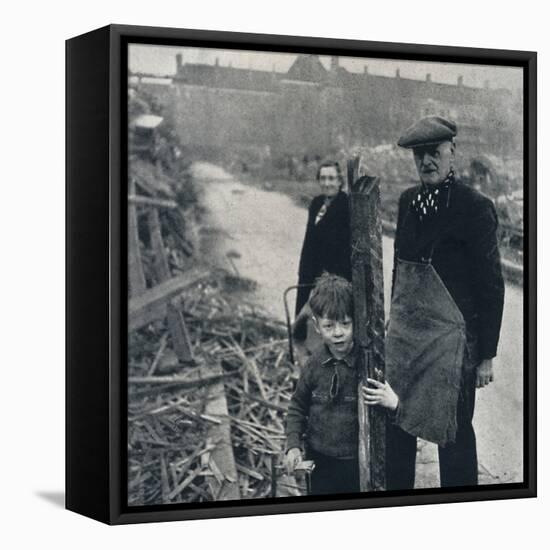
[{"x": 161, "y": 301}]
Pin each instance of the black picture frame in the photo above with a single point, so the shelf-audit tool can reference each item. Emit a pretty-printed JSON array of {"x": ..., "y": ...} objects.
[{"x": 96, "y": 270}]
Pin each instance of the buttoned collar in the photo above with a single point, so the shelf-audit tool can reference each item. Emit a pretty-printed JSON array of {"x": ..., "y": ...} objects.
[{"x": 328, "y": 359}]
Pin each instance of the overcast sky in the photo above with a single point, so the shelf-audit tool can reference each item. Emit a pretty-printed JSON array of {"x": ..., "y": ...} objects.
[{"x": 162, "y": 60}]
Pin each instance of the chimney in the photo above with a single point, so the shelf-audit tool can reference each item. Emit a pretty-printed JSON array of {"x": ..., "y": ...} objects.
[
  {"x": 217, "y": 62},
  {"x": 460, "y": 80},
  {"x": 397, "y": 73},
  {"x": 428, "y": 77},
  {"x": 178, "y": 62},
  {"x": 334, "y": 63},
  {"x": 366, "y": 69}
]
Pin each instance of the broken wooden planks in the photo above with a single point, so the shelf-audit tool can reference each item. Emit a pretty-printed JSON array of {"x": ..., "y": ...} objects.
[
  {"x": 149, "y": 201},
  {"x": 166, "y": 418},
  {"x": 183, "y": 381},
  {"x": 151, "y": 305}
]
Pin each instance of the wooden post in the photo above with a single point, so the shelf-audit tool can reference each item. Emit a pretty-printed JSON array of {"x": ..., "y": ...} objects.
[
  {"x": 225, "y": 486},
  {"x": 160, "y": 263},
  {"x": 181, "y": 342},
  {"x": 368, "y": 295},
  {"x": 136, "y": 278},
  {"x": 165, "y": 487}
]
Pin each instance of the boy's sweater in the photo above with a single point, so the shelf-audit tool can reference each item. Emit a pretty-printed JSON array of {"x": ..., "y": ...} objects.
[{"x": 324, "y": 406}]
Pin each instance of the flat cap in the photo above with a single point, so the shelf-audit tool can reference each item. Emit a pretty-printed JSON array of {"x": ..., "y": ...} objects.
[{"x": 430, "y": 130}]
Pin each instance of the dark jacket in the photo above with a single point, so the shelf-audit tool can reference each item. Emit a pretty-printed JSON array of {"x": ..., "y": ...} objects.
[
  {"x": 465, "y": 256},
  {"x": 326, "y": 245},
  {"x": 330, "y": 424}
]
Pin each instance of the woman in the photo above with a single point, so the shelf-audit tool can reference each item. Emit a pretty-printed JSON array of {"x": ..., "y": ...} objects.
[{"x": 327, "y": 240}]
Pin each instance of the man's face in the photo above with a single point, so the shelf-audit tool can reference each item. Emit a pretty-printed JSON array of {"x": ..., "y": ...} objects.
[
  {"x": 434, "y": 162},
  {"x": 337, "y": 335},
  {"x": 328, "y": 180}
]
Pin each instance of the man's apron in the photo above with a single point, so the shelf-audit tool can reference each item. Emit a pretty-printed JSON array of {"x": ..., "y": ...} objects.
[{"x": 425, "y": 348}]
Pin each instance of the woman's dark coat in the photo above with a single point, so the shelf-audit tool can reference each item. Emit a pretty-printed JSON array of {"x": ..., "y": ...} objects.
[{"x": 326, "y": 245}]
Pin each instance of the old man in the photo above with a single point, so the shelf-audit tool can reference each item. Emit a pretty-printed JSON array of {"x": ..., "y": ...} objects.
[{"x": 446, "y": 311}]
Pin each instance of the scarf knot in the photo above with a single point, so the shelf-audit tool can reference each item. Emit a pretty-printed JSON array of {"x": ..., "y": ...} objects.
[{"x": 429, "y": 201}]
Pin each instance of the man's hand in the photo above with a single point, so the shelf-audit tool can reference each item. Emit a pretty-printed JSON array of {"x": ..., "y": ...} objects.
[
  {"x": 382, "y": 394},
  {"x": 484, "y": 373},
  {"x": 292, "y": 458}
]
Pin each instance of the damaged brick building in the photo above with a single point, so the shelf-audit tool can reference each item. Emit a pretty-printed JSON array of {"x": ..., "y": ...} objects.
[{"x": 313, "y": 110}]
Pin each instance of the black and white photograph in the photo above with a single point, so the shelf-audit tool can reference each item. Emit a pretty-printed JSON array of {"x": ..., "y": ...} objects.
[
  {"x": 325, "y": 260},
  {"x": 275, "y": 275}
]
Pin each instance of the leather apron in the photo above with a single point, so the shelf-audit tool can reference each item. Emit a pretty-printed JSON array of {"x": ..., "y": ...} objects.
[{"x": 425, "y": 348}]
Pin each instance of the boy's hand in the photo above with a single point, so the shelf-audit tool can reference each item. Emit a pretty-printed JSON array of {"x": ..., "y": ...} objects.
[
  {"x": 381, "y": 394},
  {"x": 292, "y": 458}
]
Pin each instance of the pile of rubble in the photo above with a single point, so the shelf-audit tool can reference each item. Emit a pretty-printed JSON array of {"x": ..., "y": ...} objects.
[{"x": 239, "y": 351}]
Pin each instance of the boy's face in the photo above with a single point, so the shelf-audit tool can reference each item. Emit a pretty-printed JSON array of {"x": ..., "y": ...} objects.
[{"x": 337, "y": 335}]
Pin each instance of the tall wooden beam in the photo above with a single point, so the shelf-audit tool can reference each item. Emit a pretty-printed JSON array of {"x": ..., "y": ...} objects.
[
  {"x": 181, "y": 342},
  {"x": 136, "y": 277},
  {"x": 368, "y": 294},
  {"x": 160, "y": 262}
]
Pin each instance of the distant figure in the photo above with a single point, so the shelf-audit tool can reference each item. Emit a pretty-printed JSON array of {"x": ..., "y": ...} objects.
[{"x": 327, "y": 240}]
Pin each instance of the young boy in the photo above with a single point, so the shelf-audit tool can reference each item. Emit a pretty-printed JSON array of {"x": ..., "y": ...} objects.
[{"x": 324, "y": 404}]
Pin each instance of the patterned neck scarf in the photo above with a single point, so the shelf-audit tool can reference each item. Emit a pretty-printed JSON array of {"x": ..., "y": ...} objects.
[
  {"x": 323, "y": 209},
  {"x": 431, "y": 199},
  {"x": 321, "y": 213}
]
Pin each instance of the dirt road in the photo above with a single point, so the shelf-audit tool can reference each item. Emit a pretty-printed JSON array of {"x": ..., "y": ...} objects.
[{"x": 266, "y": 229}]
